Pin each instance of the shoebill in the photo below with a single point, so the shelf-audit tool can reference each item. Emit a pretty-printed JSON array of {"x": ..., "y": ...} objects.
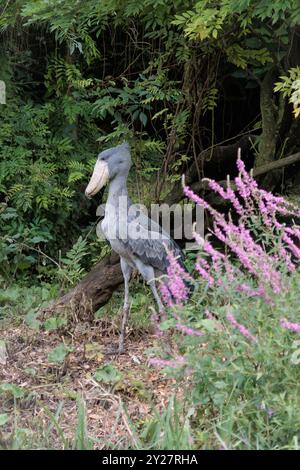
[{"x": 139, "y": 240}]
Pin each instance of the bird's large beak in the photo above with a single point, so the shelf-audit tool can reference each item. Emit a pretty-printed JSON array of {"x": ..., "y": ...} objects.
[{"x": 98, "y": 180}]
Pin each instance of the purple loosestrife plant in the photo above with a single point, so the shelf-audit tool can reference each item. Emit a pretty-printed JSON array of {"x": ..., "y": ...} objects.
[
  {"x": 242, "y": 329},
  {"x": 232, "y": 365},
  {"x": 253, "y": 260},
  {"x": 289, "y": 325},
  {"x": 188, "y": 330},
  {"x": 248, "y": 201},
  {"x": 175, "y": 291}
]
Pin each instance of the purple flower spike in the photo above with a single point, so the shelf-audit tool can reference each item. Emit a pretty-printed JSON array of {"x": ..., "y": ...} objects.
[
  {"x": 289, "y": 325},
  {"x": 242, "y": 329}
]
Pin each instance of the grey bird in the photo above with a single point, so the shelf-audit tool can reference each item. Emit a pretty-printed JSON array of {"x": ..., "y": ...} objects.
[{"x": 139, "y": 240}]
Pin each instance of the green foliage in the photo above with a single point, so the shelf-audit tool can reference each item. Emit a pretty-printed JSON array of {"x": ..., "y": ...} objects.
[
  {"x": 245, "y": 394},
  {"x": 135, "y": 99},
  {"x": 39, "y": 180},
  {"x": 70, "y": 267},
  {"x": 14, "y": 390},
  {"x": 208, "y": 19},
  {"x": 81, "y": 438},
  {"x": 3, "y": 418},
  {"x": 289, "y": 86},
  {"x": 210, "y": 100},
  {"x": 241, "y": 57},
  {"x": 23, "y": 302},
  {"x": 168, "y": 430},
  {"x": 31, "y": 319},
  {"x": 259, "y": 25},
  {"x": 50, "y": 132},
  {"x": 108, "y": 374},
  {"x": 54, "y": 323},
  {"x": 59, "y": 353},
  {"x": 16, "y": 237},
  {"x": 39, "y": 438},
  {"x": 62, "y": 75}
]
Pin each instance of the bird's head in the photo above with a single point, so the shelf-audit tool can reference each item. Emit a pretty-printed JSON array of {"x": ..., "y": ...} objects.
[{"x": 110, "y": 163}]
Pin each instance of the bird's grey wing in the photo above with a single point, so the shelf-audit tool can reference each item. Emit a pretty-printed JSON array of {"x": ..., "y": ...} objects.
[
  {"x": 168, "y": 240},
  {"x": 147, "y": 241}
]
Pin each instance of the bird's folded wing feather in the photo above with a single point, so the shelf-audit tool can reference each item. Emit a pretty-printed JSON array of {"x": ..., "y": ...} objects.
[{"x": 147, "y": 240}]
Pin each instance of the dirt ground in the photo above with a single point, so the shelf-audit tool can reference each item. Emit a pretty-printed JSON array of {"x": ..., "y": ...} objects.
[{"x": 113, "y": 411}]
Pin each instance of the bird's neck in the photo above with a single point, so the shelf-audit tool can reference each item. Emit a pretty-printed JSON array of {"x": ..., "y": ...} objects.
[{"x": 117, "y": 189}]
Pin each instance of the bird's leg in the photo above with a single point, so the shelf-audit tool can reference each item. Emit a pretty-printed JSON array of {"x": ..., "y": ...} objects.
[
  {"x": 149, "y": 275},
  {"x": 161, "y": 310},
  {"x": 126, "y": 270},
  {"x": 123, "y": 330}
]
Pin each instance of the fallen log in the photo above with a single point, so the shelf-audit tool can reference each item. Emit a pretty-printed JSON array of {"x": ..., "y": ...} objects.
[
  {"x": 261, "y": 170},
  {"x": 277, "y": 164},
  {"x": 95, "y": 289}
]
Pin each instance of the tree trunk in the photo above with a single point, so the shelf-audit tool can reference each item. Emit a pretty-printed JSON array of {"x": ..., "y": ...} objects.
[{"x": 267, "y": 147}]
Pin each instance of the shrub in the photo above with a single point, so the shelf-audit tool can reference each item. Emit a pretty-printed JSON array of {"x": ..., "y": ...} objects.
[{"x": 39, "y": 186}]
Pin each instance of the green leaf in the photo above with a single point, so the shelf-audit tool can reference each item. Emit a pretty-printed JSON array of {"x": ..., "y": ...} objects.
[
  {"x": 167, "y": 324},
  {"x": 143, "y": 119},
  {"x": 54, "y": 323},
  {"x": 219, "y": 398},
  {"x": 9, "y": 296},
  {"x": 31, "y": 320},
  {"x": 30, "y": 371},
  {"x": 58, "y": 354},
  {"x": 209, "y": 325},
  {"x": 3, "y": 419},
  {"x": 108, "y": 374},
  {"x": 16, "y": 391},
  {"x": 38, "y": 239},
  {"x": 220, "y": 384}
]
